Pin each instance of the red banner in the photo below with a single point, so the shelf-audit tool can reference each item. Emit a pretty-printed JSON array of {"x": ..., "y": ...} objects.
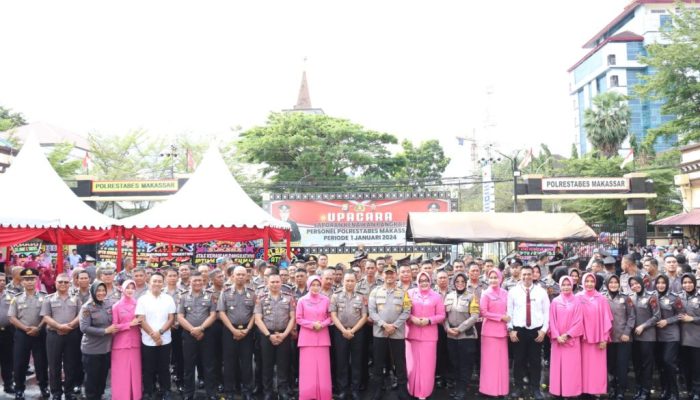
[{"x": 369, "y": 222}]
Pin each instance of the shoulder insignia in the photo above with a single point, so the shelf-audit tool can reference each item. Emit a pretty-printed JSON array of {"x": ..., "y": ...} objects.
[
  {"x": 86, "y": 312},
  {"x": 653, "y": 301}
]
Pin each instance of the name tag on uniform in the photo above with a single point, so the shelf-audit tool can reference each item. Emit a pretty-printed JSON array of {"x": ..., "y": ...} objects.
[
  {"x": 206, "y": 297},
  {"x": 694, "y": 300},
  {"x": 621, "y": 300},
  {"x": 644, "y": 301}
]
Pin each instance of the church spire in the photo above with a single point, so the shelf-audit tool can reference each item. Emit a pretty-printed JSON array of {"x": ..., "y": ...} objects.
[{"x": 304, "y": 100}]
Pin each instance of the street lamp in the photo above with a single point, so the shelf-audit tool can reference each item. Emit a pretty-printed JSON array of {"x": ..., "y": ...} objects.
[{"x": 171, "y": 152}]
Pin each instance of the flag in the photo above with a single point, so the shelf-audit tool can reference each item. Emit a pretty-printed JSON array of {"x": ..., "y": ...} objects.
[
  {"x": 526, "y": 160},
  {"x": 460, "y": 141},
  {"x": 628, "y": 159},
  {"x": 86, "y": 162},
  {"x": 190, "y": 161}
]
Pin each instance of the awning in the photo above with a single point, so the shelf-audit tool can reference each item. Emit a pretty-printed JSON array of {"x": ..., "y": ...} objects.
[
  {"x": 478, "y": 227},
  {"x": 683, "y": 219}
]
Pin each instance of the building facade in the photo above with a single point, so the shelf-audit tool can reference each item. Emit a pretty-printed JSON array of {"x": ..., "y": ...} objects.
[{"x": 613, "y": 63}]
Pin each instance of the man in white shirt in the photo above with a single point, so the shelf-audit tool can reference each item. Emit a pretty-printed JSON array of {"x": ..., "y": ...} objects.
[
  {"x": 74, "y": 258},
  {"x": 156, "y": 311},
  {"x": 528, "y": 308}
]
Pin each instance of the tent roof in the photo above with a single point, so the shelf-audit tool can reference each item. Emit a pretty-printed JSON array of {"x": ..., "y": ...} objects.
[
  {"x": 479, "y": 227},
  {"x": 48, "y": 134},
  {"x": 211, "y": 198},
  {"x": 691, "y": 218},
  {"x": 34, "y": 196}
]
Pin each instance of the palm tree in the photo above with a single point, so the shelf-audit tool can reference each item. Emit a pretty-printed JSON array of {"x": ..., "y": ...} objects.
[{"x": 607, "y": 122}]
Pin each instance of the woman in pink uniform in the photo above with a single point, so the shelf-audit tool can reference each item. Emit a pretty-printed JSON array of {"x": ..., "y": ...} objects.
[
  {"x": 314, "y": 343},
  {"x": 427, "y": 312},
  {"x": 494, "y": 375},
  {"x": 565, "y": 331},
  {"x": 597, "y": 324},
  {"x": 126, "y": 347}
]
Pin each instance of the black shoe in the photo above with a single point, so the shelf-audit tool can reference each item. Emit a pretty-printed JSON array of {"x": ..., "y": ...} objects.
[
  {"x": 19, "y": 395},
  {"x": 167, "y": 395},
  {"x": 696, "y": 397},
  {"x": 10, "y": 389},
  {"x": 516, "y": 393},
  {"x": 45, "y": 393},
  {"x": 283, "y": 396},
  {"x": 621, "y": 396},
  {"x": 247, "y": 397},
  {"x": 537, "y": 394},
  {"x": 257, "y": 390},
  {"x": 30, "y": 371},
  {"x": 57, "y": 397},
  {"x": 341, "y": 396},
  {"x": 200, "y": 384},
  {"x": 180, "y": 389},
  {"x": 77, "y": 390},
  {"x": 220, "y": 388}
]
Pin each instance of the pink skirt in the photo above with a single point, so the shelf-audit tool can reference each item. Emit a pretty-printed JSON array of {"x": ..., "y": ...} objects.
[
  {"x": 594, "y": 365},
  {"x": 420, "y": 365},
  {"x": 494, "y": 378},
  {"x": 315, "y": 373},
  {"x": 126, "y": 374}
]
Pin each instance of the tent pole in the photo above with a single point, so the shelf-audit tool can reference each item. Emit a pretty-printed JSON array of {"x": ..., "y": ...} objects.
[
  {"x": 59, "y": 252},
  {"x": 266, "y": 244},
  {"x": 133, "y": 250},
  {"x": 288, "y": 237},
  {"x": 8, "y": 259},
  {"x": 119, "y": 249}
]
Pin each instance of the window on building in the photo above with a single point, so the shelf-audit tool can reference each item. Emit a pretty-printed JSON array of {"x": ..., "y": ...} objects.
[
  {"x": 612, "y": 59},
  {"x": 665, "y": 23},
  {"x": 614, "y": 81}
]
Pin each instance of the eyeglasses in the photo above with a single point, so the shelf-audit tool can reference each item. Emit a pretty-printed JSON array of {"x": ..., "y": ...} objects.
[{"x": 63, "y": 282}]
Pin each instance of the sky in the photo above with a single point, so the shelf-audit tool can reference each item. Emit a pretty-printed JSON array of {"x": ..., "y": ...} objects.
[{"x": 417, "y": 69}]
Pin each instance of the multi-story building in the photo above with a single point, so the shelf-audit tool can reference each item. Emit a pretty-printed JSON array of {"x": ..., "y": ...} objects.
[{"x": 613, "y": 63}]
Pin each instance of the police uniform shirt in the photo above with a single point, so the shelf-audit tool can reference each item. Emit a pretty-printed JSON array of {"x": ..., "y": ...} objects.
[
  {"x": 299, "y": 293},
  {"x": 366, "y": 288},
  {"x": 83, "y": 297},
  {"x": 389, "y": 306},
  {"x": 113, "y": 296},
  {"x": 510, "y": 283},
  {"x": 215, "y": 294},
  {"x": 238, "y": 306},
  {"x": 690, "y": 331},
  {"x": 275, "y": 311},
  {"x": 462, "y": 312},
  {"x": 62, "y": 310},
  {"x": 288, "y": 289},
  {"x": 14, "y": 289},
  {"x": 349, "y": 307},
  {"x": 624, "y": 316},
  {"x": 123, "y": 276},
  {"x": 648, "y": 314},
  {"x": 5, "y": 301},
  {"x": 476, "y": 289},
  {"x": 27, "y": 308},
  {"x": 138, "y": 292},
  {"x": 196, "y": 308},
  {"x": 671, "y": 307},
  {"x": 94, "y": 319}
]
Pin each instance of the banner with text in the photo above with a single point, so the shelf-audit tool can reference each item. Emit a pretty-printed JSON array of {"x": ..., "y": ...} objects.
[
  {"x": 584, "y": 184},
  {"x": 370, "y": 222}
]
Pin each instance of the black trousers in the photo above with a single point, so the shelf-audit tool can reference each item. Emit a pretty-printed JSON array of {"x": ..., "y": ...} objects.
[
  {"x": 176, "y": 356},
  {"x": 275, "y": 356},
  {"x": 257, "y": 354},
  {"x": 349, "y": 358},
  {"x": 7, "y": 341},
  {"x": 690, "y": 365},
  {"x": 217, "y": 331},
  {"x": 463, "y": 358},
  {"x": 155, "y": 361},
  {"x": 26, "y": 346},
  {"x": 238, "y": 357},
  {"x": 618, "y": 365},
  {"x": 367, "y": 350},
  {"x": 643, "y": 362},
  {"x": 63, "y": 352},
  {"x": 527, "y": 357},
  {"x": 96, "y": 369},
  {"x": 198, "y": 352},
  {"x": 444, "y": 367},
  {"x": 668, "y": 368},
  {"x": 382, "y": 348}
]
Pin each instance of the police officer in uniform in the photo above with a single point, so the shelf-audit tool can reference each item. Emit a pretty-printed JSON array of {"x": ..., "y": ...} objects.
[
  {"x": 216, "y": 286},
  {"x": 275, "y": 318},
  {"x": 235, "y": 307},
  {"x": 30, "y": 335},
  {"x": 620, "y": 347},
  {"x": 15, "y": 286},
  {"x": 196, "y": 313},
  {"x": 349, "y": 314},
  {"x": 7, "y": 332},
  {"x": 389, "y": 308},
  {"x": 61, "y": 315},
  {"x": 370, "y": 281},
  {"x": 96, "y": 344},
  {"x": 646, "y": 306},
  {"x": 668, "y": 336},
  {"x": 690, "y": 335}
]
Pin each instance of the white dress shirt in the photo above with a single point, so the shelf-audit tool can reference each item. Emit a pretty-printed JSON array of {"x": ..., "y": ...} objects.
[{"x": 539, "y": 307}]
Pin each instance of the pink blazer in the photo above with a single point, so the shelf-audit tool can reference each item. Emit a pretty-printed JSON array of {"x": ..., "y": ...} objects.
[
  {"x": 127, "y": 337},
  {"x": 428, "y": 306},
  {"x": 493, "y": 306},
  {"x": 309, "y": 311}
]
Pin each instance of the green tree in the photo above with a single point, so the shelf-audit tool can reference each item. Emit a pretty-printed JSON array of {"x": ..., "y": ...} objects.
[
  {"x": 574, "y": 151},
  {"x": 607, "y": 122},
  {"x": 418, "y": 165},
  {"x": 9, "y": 120},
  {"x": 129, "y": 156},
  {"x": 676, "y": 81},
  {"x": 310, "y": 152},
  {"x": 65, "y": 166}
]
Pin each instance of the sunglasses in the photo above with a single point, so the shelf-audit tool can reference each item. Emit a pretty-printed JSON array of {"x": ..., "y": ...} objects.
[{"x": 62, "y": 282}]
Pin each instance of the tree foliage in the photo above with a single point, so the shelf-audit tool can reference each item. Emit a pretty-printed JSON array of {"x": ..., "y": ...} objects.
[
  {"x": 418, "y": 165},
  {"x": 676, "y": 79},
  {"x": 9, "y": 119},
  {"x": 607, "y": 123},
  {"x": 65, "y": 166}
]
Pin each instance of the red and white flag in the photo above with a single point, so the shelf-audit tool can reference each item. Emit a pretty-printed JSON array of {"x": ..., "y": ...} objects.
[
  {"x": 527, "y": 160},
  {"x": 86, "y": 162},
  {"x": 190, "y": 161},
  {"x": 628, "y": 159}
]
